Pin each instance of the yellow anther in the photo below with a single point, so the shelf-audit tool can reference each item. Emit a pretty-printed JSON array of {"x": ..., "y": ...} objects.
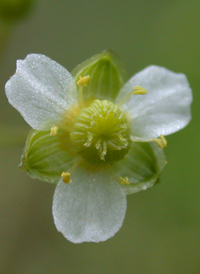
[
  {"x": 124, "y": 181},
  {"x": 161, "y": 142},
  {"x": 139, "y": 90},
  {"x": 54, "y": 130},
  {"x": 66, "y": 177},
  {"x": 164, "y": 141},
  {"x": 83, "y": 81},
  {"x": 136, "y": 90}
]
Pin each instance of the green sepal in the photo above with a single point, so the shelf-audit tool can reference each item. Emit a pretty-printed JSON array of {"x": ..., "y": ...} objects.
[
  {"x": 45, "y": 157},
  {"x": 107, "y": 76},
  {"x": 142, "y": 165}
]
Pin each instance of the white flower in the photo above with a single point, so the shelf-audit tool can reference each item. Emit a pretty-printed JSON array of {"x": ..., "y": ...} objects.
[{"x": 92, "y": 207}]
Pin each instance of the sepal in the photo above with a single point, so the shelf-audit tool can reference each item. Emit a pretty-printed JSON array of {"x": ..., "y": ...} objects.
[
  {"x": 107, "y": 76},
  {"x": 142, "y": 165},
  {"x": 45, "y": 157}
]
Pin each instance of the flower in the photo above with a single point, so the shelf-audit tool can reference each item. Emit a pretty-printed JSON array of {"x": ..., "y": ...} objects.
[{"x": 99, "y": 138}]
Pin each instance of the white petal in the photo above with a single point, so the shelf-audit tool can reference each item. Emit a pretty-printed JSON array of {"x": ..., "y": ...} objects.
[
  {"x": 91, "y": 208},
  {"x": 166, "y": 106},
  {"x": 41, "y": 90}
]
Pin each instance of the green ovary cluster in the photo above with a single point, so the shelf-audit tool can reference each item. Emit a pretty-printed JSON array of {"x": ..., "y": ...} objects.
[{"x": 100, "y": 133}]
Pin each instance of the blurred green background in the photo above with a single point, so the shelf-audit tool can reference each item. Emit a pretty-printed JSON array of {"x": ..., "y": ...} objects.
[{"x": 161, "y": 231}]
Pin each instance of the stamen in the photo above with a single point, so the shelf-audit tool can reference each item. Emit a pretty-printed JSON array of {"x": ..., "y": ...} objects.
[
  {"x": 137, "y": 90},
  {"x": 54, "y": 130},
  {"x": 75, "y": 165},
  {"x": 124, "y": 181},
  {"x": 82, "y": 82},
  {"x": 66, "y": 177},
  {"x": 139, "y": 139},
  {"x": 161, "y": 142}
]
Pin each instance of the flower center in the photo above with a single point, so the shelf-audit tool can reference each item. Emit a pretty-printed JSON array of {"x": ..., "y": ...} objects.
[{"x": 101, "y": 133}]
